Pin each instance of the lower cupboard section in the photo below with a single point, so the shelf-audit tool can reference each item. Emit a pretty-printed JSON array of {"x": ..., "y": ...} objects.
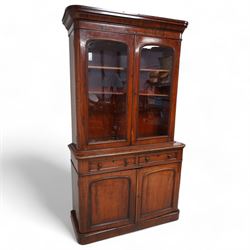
[{"x": 118, "y": 202}]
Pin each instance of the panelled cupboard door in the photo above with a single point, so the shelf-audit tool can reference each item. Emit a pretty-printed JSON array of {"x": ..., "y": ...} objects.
[
  {"x": 155, "y": 78},
  {"x": 108, "y": 200},
  {"x": 107, "y": 65},
  {"x": 158, "y": 190}
]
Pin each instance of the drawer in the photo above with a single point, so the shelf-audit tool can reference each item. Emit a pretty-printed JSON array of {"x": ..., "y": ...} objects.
[
  {"x": 103, "y": 164},
  {"x": 158, "y": 157}
]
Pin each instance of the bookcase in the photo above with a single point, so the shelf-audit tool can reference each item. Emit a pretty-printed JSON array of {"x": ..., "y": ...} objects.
[{"x": 125, "y": 163}]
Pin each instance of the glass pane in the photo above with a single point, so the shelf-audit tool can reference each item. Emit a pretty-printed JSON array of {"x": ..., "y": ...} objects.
[
  {"x": 154, "y": 90},
  {"x": 107, "y": 90}
]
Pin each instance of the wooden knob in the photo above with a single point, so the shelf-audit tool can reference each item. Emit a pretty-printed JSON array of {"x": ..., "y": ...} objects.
[{"x": 99, "y": 165}]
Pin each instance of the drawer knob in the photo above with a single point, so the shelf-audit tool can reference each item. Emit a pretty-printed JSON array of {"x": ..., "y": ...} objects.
[
  {"x": 146, "y": 158},
  {"x": 99, "y": 165},
  {"x": 125, "y": 162},
  {"x": 169, "y": 156}
]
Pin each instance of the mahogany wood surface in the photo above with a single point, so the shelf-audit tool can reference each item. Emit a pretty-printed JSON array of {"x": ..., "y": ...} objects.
[
  {"x": 92, "y": 14},
  {"x": 125, "y": 163},
  {"x": 158, "y": 188}
]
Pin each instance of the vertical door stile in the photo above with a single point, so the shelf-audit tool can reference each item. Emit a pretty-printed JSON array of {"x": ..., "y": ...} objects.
[
  {"x": 135, "y": 91},
  {"x": 133, "y": 83},
  {"x": 137, "y": 195}
]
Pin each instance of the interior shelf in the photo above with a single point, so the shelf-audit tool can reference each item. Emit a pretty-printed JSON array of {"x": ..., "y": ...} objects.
[
  {"x": 105, "y": 67},
  {"x": 153, "y": 94},
  {"x": 106, "y": 92},
  {"x": 153, "y": 70},
  {"x": 122, "y": 93},
  {"x": 122, "y": 68}
]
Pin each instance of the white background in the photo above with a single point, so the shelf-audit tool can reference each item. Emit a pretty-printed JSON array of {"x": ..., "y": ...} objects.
[{"x": 213, "y": 119}]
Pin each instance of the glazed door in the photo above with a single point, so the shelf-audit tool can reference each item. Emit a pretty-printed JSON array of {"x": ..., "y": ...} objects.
[
  {"x": 156, "y": 72},
  {"x": 158, "y": 189},
  {"x": 108, "y": 62},
  {"x": 108, "y": 200}
]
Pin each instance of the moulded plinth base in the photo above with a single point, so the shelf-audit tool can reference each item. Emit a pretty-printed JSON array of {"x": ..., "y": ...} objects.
[{"x": 86, "y": 238}]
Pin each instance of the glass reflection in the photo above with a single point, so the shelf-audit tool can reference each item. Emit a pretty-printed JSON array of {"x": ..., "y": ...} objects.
[
  {"x": 154, "y": 90},
  {"x": 107, "y": 87}
]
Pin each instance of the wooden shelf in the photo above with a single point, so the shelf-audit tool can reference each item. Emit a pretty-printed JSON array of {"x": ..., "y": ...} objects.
[
  {"x": 105, "y": 67},
  {"x": 153, "y": 94},
  {"x": 154, "y": 70},
  {"x": 122, "y": 68},
  {"x": 122, "y": 93},
  {"x": 105, "y": 92}
]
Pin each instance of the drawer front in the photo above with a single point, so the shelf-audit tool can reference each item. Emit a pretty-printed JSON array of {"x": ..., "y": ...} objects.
[
  {"x": 158, "y": 157},
  {"x": 103, "y": 164}
]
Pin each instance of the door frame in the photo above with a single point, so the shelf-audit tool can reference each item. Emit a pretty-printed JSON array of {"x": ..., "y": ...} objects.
[
  {"x": 141, "y": 41},
  {"x": 85, "y": 186},
  {"x": 82, "y": 87},
  {"x": 141, "y": 173}
]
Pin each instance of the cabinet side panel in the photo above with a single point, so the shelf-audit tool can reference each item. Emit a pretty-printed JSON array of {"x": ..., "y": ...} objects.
[
  {"x": 72, "y": 86},
  {"x": 75, "y": 191}
]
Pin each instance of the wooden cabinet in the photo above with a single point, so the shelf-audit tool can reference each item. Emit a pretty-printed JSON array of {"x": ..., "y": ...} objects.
[{"x": 125, "y": 163}]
